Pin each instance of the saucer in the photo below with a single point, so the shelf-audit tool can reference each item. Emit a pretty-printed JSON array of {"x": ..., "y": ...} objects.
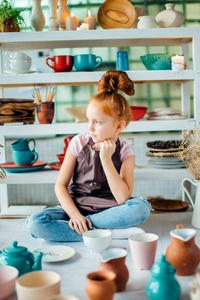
[
  {"x": 55, "y": 253},
  {"x": 55, "y": 165},
  {"x": 19, "y": 72},
  {"x": 13, "y": 168}
]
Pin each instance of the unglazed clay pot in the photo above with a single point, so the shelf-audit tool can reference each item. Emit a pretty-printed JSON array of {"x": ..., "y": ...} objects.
[
  {"x": 45, "y": 112},
  {"x": 114, "y": 260},
  {"x": 170, "y": 17},
  {"x": 146, "y": 22},
  {"x": 183, "y": 253},
  {"x": 101, "y": 285}
]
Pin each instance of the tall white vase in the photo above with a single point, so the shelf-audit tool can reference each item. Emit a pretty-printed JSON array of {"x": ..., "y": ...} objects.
[
  {"x": 170, "y": 17},
  {"x": 63, "y": 13},
  {"x": 37, "y": 19},
  {"x": 53, "y": 24}
]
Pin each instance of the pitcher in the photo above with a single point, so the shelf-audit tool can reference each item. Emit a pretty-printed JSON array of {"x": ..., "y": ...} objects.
[
  {"x": 183, "y": 253},
  {"x": 195, "y": 203}
]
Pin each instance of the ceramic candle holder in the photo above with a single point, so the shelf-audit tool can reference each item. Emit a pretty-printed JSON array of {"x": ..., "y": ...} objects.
[{"x": 90, "y": 20}]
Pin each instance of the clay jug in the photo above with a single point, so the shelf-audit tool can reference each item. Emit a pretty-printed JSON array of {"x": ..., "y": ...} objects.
[
  {"x": 113, "y": 259},
  {"x": 183, "y": 253},
  {"x": 170, "y": 17},
  {"x": 101, "y": 285},
  {"x": 195, "y": 203}
]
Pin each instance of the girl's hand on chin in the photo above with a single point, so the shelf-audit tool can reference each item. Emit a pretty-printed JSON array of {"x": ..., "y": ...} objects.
[{"x": 107, "y": 148}]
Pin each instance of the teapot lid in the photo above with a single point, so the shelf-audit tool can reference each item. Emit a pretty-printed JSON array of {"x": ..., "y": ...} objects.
[
  {"x": 15, "y": 249},
  {"x": 162, "y": 267}
]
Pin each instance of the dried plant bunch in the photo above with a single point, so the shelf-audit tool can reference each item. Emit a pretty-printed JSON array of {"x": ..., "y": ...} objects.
[
  {"x": 190, "y": 151},
  {"x": 2, "y": 172}
]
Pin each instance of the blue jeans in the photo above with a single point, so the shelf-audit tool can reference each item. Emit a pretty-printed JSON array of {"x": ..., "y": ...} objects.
[{"x": 53, "y": 223}]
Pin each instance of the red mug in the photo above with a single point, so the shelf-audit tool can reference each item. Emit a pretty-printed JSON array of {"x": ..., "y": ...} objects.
[{"x": 60, "y": 63}]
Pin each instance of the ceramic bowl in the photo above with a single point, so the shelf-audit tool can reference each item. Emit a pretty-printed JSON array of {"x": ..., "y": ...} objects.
[
  {"x": 61, "y": 157},
  {"x": 63, "y": 297},
  {"x": 97, "y": 240},
  {"x": 78, "y": 112},
  {"x": 8, "y": 276},
  {"x": 138, "y": 112},
  {"x": 38, "y": 285},
  {"x": 157, "y": 61}
]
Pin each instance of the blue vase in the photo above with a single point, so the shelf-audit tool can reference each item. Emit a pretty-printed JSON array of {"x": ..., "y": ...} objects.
[{"x": 163, "y": 284}]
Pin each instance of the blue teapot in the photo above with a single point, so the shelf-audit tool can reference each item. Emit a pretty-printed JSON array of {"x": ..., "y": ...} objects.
[
  {"x": 163, "y": 284},
  {"x": 20, "y": 258}
]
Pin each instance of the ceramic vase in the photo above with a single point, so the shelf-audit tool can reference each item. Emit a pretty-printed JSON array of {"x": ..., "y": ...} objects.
[
  {"x": 101, "y": 285},
  {"x": 37, "y": 19},
  {"x": 183, "y": 253},
  {"x": 53, "y": 24},
  {"x": 139, "y": 11},
  {"x": 63, "y": 13},
  {"x": 9, "y": 26},
  {"x": 146, "y": 22},
  {"x": 114, "y": 260},
  {"x": 170, "y": 17},
  {"x": 45, "y": 112}
]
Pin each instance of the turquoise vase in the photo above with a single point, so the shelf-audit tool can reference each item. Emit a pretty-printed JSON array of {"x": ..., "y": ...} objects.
[{"x": 163, "y": 284}]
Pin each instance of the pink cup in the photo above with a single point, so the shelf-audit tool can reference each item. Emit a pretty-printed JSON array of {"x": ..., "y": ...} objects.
[{"x": 143, "y": 249}]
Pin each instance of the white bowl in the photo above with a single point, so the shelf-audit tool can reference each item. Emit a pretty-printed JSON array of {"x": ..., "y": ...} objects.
[
  {"x": 97, "y": 240},
  {"x": 8, "y": 276}
]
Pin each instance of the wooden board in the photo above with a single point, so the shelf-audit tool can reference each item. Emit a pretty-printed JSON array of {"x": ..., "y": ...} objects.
[
  {"x": 13, "y": 100},
  {"x": 17, "y": 112}
]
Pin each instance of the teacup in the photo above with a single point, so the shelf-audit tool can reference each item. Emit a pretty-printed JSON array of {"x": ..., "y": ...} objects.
[
  {"x": 24, "y": 158},
  {"x": 86, "y": 62},
  {"x": 20, "y": 65},
  {"x": 23, "y": 145},
  {"x": 60, "y": 63},
  {"x": 17, "y": 55}
]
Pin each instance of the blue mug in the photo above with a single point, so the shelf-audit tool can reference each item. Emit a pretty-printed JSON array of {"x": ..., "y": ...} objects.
[
  {"x": 122, "y": 61},
  {"x": 86, "y": 62},
  {"x": 23, "y": 145},
  {"x": 24, "y": 158}
]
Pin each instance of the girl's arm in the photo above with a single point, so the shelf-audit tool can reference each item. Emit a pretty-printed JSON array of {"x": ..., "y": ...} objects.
[
  {"x": 121, "y": 185},
  {"x": 77, "y": 220}
]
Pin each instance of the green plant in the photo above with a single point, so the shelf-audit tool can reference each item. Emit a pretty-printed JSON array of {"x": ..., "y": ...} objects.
[
  {"x": 7, "y": 12},
  {"x": 2, "y": 172}
]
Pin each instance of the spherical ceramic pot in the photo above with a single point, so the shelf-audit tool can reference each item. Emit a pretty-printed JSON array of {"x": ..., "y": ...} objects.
[
  {"x": 170, "y": 17},
  {"x": 146, "y": 22}
]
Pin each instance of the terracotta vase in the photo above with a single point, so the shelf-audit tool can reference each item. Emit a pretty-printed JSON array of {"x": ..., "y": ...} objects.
[
  {"x": 9, "y": 26},
  {"x": 45, "y": 112},
  {"x": 170, "y": 17},
  {"x": 63, "y": 13},
  {"x": 114, "y": 260},
  {"x": 37, "y": 19},
  {"x": 101, "y": 285},
  {"x": 183, "y": 253}
]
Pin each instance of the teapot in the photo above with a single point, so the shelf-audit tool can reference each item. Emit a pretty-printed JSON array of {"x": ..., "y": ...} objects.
[
  {"x": 20, "y": 258},
  {"x": 183, "y": 253},
  {"x": 113, "y": 259},
  {"x": 163, "y": 284}
]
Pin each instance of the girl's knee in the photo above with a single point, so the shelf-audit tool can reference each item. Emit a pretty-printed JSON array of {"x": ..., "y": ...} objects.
[{"x": 34, "y": 224}]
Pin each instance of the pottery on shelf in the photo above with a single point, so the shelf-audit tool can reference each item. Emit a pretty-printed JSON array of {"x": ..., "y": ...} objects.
[
  {"x": 163, "y": 284},
  {"x": 101, "y": 285},
  {"x": 53, "y": 24},
  {"x": 146, "y": 22},
  {"x": 114, "y": 260},
  {"x": 170, "y": 17},
  {"x": 37, "y": 18},
  {"x": 45, "y": 112},
  {"x": 183, "y": 253},
  {"x": 139, "y": 11},
  {"x": 63, "y": 13}
]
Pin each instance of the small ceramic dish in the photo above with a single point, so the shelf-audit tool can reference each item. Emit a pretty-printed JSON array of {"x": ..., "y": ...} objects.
[
  {"x": 97, "y": 240},
  {"x": 138, "y": 112},
  {"x": 78, "y": 112},
  {"x": 8, "y": 276},
  {"x": 61, "y": 157}
]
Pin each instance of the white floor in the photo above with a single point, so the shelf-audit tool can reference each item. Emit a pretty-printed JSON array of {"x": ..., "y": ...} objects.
[{"x": 74, "y": 270}]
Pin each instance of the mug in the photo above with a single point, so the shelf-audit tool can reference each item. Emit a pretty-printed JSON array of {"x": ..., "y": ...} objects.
[
  {"x": 17, "y": 55},
  {"x": 23, "y": 145},
  {"x": 143, "y": 249},
  {"x": 86, "y": 62},
  {"x": 18, "y": 65},
  {"x": 122, "y": 61},
  {"x": 60, "y": 63},
  {"x": 24, "y": 158}
]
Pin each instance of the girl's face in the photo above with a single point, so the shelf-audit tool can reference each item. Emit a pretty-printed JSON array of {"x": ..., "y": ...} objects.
[{"x": 101, "y": 126}]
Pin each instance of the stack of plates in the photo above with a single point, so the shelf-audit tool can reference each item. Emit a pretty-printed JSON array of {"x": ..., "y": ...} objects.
[
  {"x": 163, "y": 154},
  {"x": 165, "y": 114}
]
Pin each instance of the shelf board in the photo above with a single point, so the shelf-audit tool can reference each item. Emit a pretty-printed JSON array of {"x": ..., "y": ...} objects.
[
  {"x": 70, "y": 128},
  {"x": 91, "y": 78},
  {"x": 140, "y": 173},
  {"x": 21, "y": 211},
  {"x": 97, "y": 38}
]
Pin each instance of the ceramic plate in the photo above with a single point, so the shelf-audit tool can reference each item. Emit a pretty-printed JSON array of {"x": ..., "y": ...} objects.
[
  {"x": 13, "y": 168},
  {"x": 55, "y": 165},
  {"x": 161, "y": 166},
  {"x": 18, "y": 72},
  {"x": 55, "y": 253}
]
